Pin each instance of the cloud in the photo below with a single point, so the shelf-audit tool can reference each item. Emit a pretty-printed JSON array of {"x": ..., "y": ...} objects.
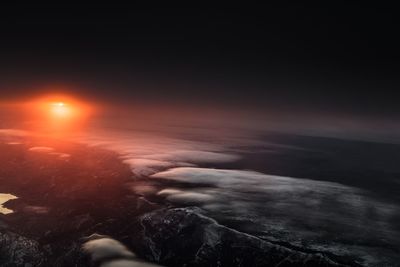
[
  {"x": 42, "y": 149},
  {"x": 149, "y": 164},
  {"x": 108, "y": 252},
  {"x": 145, "y": 167},
  {"x": 106, "y": 248},
  {"x": 285, "y": 208},
  {"x": 150, "y": 153},
  {"x": 242, "y": 180},
  {"x": 169, "y": 191},
  {"x": 186, "y": 197}
]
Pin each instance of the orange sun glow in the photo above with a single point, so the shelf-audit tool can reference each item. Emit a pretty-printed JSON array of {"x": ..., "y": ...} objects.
[
  {"x": 60, "y": 110},
  {"x": 59, "y": 114}
]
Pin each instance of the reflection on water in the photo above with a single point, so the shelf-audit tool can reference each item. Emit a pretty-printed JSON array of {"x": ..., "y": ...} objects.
[{"x": 3, "y": 199}]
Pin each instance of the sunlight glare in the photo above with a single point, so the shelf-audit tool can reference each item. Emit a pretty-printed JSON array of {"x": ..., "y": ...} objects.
[{"x": 59, "y": 114}]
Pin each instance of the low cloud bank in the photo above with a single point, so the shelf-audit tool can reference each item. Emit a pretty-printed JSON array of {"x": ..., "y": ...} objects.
[
  {"x": 289, "y": 209},
  {"x": 151, "y": 153},
  {"x": 108, "y": 252}
]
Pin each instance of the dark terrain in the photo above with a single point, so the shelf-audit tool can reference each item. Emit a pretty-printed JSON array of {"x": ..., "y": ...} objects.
[{"x": 63, "y": 200}]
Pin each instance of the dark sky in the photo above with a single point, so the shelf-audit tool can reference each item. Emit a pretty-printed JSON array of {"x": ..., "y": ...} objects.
[{"x": 342, "y": 58}]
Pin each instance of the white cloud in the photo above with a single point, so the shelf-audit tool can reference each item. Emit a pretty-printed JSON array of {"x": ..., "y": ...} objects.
[
  {"x": 169, "y": 191},
  {"x": 242, "y": 180},
  {"x": 145, "y": 167},
  {"x": 179, "y": 196},
  {"x": 105, "y": 248},
  {"x": 109, "y": 252},
  {"x": 284, "y": 207}
]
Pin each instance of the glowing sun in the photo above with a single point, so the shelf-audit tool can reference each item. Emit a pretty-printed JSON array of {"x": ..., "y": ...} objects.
[
  {"x": 58, "y": 114},
  {"x": 61, "y": 110}
]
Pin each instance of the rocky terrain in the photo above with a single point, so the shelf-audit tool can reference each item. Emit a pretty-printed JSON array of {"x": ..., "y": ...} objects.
[{"x": 73, "y": 199}]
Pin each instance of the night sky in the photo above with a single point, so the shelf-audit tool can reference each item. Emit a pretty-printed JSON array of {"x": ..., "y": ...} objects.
[{"x": 341, "y": 59}]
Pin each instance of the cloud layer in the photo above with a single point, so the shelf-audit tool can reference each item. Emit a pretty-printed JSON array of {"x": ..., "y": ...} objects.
[
  {"x": 304, "y": 212},
  {"x": 150, "y": 153}
]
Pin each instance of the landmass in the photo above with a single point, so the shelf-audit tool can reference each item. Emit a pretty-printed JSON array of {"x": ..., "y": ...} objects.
[{"x": 73, "y": 199}]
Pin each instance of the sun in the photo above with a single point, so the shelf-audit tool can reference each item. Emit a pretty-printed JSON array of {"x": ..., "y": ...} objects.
[
  {"x": 60, "y": 110},
  {"x": 59, "y": 115}
]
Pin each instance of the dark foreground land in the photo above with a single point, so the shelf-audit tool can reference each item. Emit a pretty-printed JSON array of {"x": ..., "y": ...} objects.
[{"x": 62, "y": 200}]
